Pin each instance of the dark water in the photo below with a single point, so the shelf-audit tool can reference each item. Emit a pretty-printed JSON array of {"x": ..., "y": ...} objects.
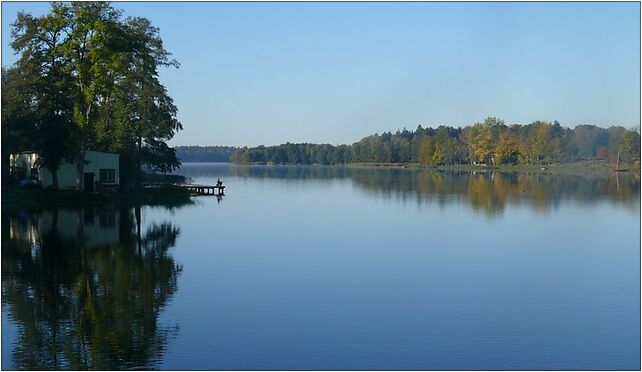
[{"x": 333, "y": 268}]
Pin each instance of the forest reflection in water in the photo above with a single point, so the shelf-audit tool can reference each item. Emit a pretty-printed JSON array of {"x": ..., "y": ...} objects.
[
  {"x": 84, "y": 288},
  {"x": 488, "y": 191}
]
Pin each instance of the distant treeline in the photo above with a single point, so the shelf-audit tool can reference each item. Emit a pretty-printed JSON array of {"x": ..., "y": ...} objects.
[
  {"x": 203, "y": 154},
  {"x": 488, "y": 142}
]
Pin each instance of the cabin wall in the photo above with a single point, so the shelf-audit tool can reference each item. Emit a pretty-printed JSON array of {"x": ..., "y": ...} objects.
[
  {"x": 102, "y": 160},
  {"x": 66, "y": 176},
  {"x": 94, "y": 162}
]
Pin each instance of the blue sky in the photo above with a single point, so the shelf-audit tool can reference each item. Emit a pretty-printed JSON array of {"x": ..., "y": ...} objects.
[{"x": 267, "y": 73}]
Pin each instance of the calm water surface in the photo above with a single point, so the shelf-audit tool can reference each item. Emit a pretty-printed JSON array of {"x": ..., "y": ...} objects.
[{"x": 333, "y": 268}]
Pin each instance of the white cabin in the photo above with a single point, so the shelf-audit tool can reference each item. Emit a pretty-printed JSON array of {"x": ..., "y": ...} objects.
[{"x": 101, "y": 171}]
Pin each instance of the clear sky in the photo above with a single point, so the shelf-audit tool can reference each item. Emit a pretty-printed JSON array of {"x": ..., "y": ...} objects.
[{"x": 267, "y": 73}]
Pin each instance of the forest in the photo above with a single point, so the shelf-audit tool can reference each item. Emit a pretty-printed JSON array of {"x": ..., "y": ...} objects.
[
  {"x": 204, "y": 154},
  {"x": 86, "y": 78},
  {"x": 490, "y": 142}
]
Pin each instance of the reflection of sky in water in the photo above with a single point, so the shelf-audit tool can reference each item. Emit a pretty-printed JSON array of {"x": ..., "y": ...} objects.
[
  {"x": 339, "y": 271},
  {"x": 318, "y": 273}
]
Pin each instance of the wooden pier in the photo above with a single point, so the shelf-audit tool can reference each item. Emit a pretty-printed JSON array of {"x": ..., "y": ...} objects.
[
  {"x": 198, "y": 190},
  {"x": 195, "y": 190}
]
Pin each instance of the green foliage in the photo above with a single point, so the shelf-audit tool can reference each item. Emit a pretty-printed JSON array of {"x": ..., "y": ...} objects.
[
  {"x": 204, "y": 153},
  {"x": 484, "y": 138},
  {"x": 508, "y": 149},
  {"x": 293, "y": 153},
  {"x": 93, "y": 78},
  {"x": 18, "y": 117},
  {"x": 587, "y": 139},
  {"x": 630, "y": 145},
  {"x": 46, "y": 84},
  {"x": 488, "y": 142}
]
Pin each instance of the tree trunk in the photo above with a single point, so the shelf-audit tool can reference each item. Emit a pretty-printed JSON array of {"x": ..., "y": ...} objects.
[
  {"x": 80, "y": 159},
  {"x": 139, "y": 166}
]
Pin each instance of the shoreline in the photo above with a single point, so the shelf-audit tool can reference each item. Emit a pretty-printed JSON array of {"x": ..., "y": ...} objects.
[
  {"x": 574, "y": 168},
  {"x": 17, "y": 198}
]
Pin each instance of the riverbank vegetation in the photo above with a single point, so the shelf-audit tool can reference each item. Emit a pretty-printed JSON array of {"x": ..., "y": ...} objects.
[
  {"x": 204, "y": 154},
  {"x": 87, "y": 79},
  {"x": 489, "y": 143}
]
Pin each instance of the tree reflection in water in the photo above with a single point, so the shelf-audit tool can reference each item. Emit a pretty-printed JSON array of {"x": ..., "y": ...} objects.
[
  {"x": 85, "y": 288},
  {"x": 491, "y": 192},
  {"x": 488, "y": 191}
]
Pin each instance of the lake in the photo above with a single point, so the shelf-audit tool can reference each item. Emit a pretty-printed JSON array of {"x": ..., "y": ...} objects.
[{"x": 313, "y": 267}]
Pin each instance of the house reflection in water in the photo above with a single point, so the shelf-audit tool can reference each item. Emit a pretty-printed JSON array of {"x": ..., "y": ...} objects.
[
  {"x": 24, "y": 229},
  {"x": 84, "y": 289},
  {"x": 95, "y": 227}
]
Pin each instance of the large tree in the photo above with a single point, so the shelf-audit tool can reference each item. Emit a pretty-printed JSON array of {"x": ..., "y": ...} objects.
[
  {"x": 484, "y": 139},
  {"x": 138, "y": 115},
  {"x": 99, "y": 73},
  {"x": 46, "y": 84},
  {"x": 629, "y": 146},
  {"x": 18, "y": 117}
]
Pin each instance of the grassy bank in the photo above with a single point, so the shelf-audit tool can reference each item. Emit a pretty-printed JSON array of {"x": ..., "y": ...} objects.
[
  {"x": 577, "y": 168},
  {"x": 15, "y": 198}
]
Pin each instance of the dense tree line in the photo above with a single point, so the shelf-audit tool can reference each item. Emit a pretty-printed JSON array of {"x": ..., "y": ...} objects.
[
  {"x": 490, "y": 142},
  {"x": 202, "y": 154},
  {"x": 293, "y": 153},
  {"x": 87, "y": 79}
]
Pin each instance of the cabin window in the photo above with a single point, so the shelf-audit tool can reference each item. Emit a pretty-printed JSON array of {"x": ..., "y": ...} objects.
[{"x": 107, "y": 176}]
